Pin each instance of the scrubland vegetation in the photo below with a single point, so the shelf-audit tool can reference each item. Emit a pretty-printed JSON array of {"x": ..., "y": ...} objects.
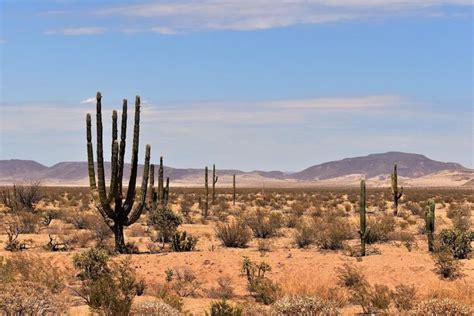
[{"x": 277, "y": 251}]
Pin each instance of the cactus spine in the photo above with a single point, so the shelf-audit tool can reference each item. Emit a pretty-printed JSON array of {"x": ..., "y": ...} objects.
[
  {"x": 430, "y": 223},
  {"x": 395, "y": 193},
  {"x": 158, "y": 198},
  {"x": 214, "y": 181},
  {"x": 364, "y": 230},
  {"x": 117, "y": 211},
  {"x": 206, "y": 188},
  {"x": 233, "y": 189}
]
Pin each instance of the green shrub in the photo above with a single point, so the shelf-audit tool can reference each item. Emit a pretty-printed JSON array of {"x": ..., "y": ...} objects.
[
  {"x": 447, "y": 266},
  {"x": 304, "y": 305},
  {"x": 304, "y": 235},
  {"x": 222, "y": 308},
  {"x": 165, "y": 221},
  {"x": 458, "y": 242},
  {"x": 265, "y": 224},
  {"x": 182, "y": 242},
  {"x": 235, "y": 234}
]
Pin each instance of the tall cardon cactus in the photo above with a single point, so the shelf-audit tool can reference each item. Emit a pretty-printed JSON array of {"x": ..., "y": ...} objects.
[
  {"x": 430, "y": 223},
  {"x": 158, "y": 198},
  {"x": 214, "y": 181},
  {"x": 118, "y": 211},
  {"x": 206, "y": 192}
]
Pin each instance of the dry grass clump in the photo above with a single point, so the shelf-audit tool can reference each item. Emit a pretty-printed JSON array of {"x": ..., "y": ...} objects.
[
  {"x": 235, "y": 234},
  {"x": 153, "y": 308}
]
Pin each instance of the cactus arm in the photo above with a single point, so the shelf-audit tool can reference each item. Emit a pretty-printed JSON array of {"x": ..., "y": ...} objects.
[
  {"x": 100, "y": 154},
  {"x": 90, "y": 153},
  {"x": 123, "y": 137},
  {"x": 114, "y": 159},
  {"x": 133, "y": 170},
  {"x": 137, "y": 210},
  {"x": 166, "y": 192},
  {"x": 160, "y": 182},
  {"x": 151, "y": 189}
]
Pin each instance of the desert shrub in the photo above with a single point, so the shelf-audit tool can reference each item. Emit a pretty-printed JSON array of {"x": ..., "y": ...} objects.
[
  {"x": 22, "y": 197},
  {"x": 222, "y": 308},
  {"x": 185, "y": 208},
  {"x": 264, "y": 245},
  {"x": 350, "y": 276},
  {"x": 182, "y": 242},
  {"x": 372, "y": 300},
  {"x": 304, "y": 305},
  {"x": 235, "y": 234},
  {"x": 380, "y": 228},
  {"x": 332, "y": 231},
  {"x": 31, "y": 269},
  {"x": 153, "y": 308},
  {"x": 13, "y": 228},
  {"x": 446, "y": 265},
  {"x": 456, "y": 241},
  {"x": 414, "y": 208},
  {"x": 165, "y": 221},
  {"x": 224, "y": 289},
  {"x": 48, "y": 215},
  {"x": 262, "y": 288},
  {"x": 108, "y": 290},
  {"x": 264, "y": 224},
  {"x": 404, "y": 297},
  {"x": 304, "y": 235},
  {"x": 444, "y": 306},
  {"x": 166, "y": 293},
  {"x": 185, "y": 283},
  {"x": 29, "y": 298}
]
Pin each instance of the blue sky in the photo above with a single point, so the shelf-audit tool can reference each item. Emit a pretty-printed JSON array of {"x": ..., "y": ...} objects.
[{"x": 252, "y": 84}]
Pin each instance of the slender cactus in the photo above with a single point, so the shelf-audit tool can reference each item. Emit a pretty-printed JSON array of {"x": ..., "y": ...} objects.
[
  {"x": 206, "y": 187},
  {"x": 157, "y": 198},
  {"x": 214, "y": 181},
  {"x": 430, "y": 223},
  {"x": 117, "y": 211},
  {"x": 395, "y": 193},
  {"x": 233, "y": 189},
  {"x": 364, "y": 230}
]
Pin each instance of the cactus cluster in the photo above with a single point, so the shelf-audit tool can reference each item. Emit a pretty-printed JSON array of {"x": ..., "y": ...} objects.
[
  {"x": 430, "y": 223},
  {"x": 182, "y": 242},
  {"x": 158, "y": 198},
  {"x": 118, "y": 211},
  {"x": 397, "y": 194}
]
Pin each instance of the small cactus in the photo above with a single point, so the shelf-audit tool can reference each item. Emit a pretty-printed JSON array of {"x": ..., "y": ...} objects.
[
  {"x": 182, "y": 242},
  {"x": 430, "y": 223},
  {"x": 214, "y": 181}
]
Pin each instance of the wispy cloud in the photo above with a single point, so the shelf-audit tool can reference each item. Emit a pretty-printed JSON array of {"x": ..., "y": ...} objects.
[
  {"x": 90, "y": 100},
  {"x": 336, "y": 103},
  {"x": 189, "y": 16},
  {"x": 76, "y": 31}
]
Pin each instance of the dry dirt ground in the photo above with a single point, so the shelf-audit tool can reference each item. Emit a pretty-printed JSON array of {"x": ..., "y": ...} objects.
[{"x": 298, "y": 271}]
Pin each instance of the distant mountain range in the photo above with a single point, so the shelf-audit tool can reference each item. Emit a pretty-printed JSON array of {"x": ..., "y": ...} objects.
[{"x": 413, "y": 170}]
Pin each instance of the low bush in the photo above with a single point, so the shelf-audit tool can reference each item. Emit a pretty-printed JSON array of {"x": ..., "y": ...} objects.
[
  {"x": 235, "y": 234},
  {"x": 265, "y": 224},
  {"x": 447, "y": 266},
  {"x": 304, "y": 305},
  {"x": 458, "y": 242},
  {"x": 262, "y": 288},
  {"x": 304, "y": 235},
  {"x": 153, "y": 308},
  {"x": 444, "y": 306},
  {"x": 165, "y": 221},
  {"x": 222, "y": 308},
  {"x": 404, "y": 297}
]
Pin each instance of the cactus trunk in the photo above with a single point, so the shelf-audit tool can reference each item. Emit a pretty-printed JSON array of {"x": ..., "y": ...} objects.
[
  {"x": 395, "y": 193},
  {"x": 430, "y": 224},
  {"x": 214, "y": 181},
  {"x": 364, "y": 231}
]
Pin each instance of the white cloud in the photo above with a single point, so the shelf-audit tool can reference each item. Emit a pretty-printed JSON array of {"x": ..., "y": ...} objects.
[
  {"x": 91, "y": 100},
  {"x": 188, "y": 15},
  {"x": 77, "y": 31},
  {"x": 336, "y": 103}
]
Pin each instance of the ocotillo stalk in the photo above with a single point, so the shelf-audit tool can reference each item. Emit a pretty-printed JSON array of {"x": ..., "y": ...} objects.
[
  {"x": 116, "y": 211},
  {"x": 206, "y": 187},
  {"x": 364, "y": 230},
  {"x": 430, "y": 223},
  {"x": 233, "y": 191},
  {"x": 214, "y": 181},
  {"x": 395, "y": 193}
]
